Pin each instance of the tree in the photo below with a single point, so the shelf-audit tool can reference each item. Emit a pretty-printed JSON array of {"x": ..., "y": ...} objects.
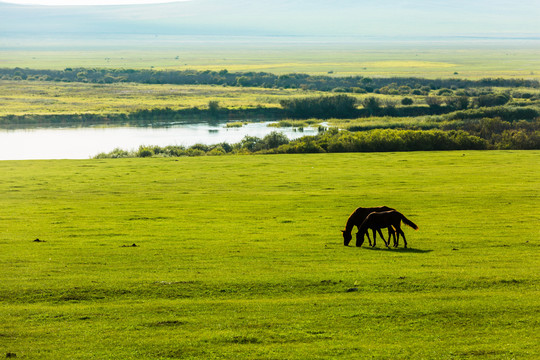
[
  {"x": 213, "y": 106},
  {"x": 407, "y": 101},
  {"x": 243, "y": 81},
  {"x": 433, "y": 102},
  {"x": 492, "y": 100},
  {"x": 371, "y": 104},
  {"x": 458, "y": 102},
  {"x": 250, "y": 143},
  {"x": 340, "y": 106},
  {"x": 273, "y": 140}
]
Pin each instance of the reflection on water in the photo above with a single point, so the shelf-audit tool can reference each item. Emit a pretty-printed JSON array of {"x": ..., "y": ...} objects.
[{"x": 86, "y": 142}]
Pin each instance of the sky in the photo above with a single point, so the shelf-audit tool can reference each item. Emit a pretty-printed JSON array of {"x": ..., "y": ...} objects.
[
  {"x": 396, "y": 19},
  {"x": 87, "y": 2}
]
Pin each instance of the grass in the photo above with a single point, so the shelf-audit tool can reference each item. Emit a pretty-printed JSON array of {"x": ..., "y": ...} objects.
[
  {"x": 296, "y": 123},
  {"x": 415, "y": 59},
  {"x": 374, "y": 122},
  {"x": 236, "y": 124},
  {"x": 242, "y": 257},
  {"x": 35, "y": 97},
  {"x": 38, "y": 97}
]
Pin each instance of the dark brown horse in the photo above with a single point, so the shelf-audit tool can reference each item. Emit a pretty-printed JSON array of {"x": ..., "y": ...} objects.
[
  {"x": 391, "y": 233},
  {"x": 385, "y": 219},
  {"x": 357, "y": 218}
]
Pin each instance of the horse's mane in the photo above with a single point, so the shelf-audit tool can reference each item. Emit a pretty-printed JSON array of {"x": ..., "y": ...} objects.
[{"x": 351, "y": 221}]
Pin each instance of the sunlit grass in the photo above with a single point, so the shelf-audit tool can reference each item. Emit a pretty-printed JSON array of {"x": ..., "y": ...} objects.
[
  {"x": 36, "y": 97},
  {"x": 417, "y": 60},
  {"x": 44, "y": 97},
  {"x": 241, "y": 257}
]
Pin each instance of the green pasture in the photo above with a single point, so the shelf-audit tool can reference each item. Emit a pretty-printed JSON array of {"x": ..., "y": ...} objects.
[
  {"x": 44, "y": 97},
  {"x": 430, "y": 60},
  {"x": 36, "y": 97},
  {"x": 39, "y": 97},
  {"x": 241, "y": 257}
]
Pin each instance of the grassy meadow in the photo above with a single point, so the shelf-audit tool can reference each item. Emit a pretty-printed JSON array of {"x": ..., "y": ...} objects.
[
  {"x": 36, "y": 97},
  {"x": 40, "y": 97},
  {"x": 434, "y": 60},
  {"x": 241, "y": 257}
]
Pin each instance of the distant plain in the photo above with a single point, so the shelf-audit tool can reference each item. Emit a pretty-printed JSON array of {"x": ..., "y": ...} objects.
[{"x": 472, "y": 60}]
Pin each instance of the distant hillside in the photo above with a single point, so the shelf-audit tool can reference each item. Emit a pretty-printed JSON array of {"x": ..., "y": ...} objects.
[{"x": 354, "y": 18}]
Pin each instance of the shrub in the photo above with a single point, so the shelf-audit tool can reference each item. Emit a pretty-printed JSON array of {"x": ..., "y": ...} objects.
[
  {"x": 213, "y": 106},
  {"x": 445, "y": 92},
  {"x": 218, "y": 150},
  {"x": 505, "y": 113},
  {"x": 323, "y": 107},
  {"x": 407, "y": 101},
  {"x": 433, "y": 101},
  {"x": 371, "y": 104},
  {"x": 492, "y": 100},
  {"x": 144, "y": 152},
  {"x": 272, "y": 141},
  {"x": 458, "y": 102}
]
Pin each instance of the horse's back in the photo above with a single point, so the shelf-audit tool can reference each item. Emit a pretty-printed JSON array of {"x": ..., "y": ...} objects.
[
  {"x": 383, "y": 218},
  {"x": 365, "y": 211}
]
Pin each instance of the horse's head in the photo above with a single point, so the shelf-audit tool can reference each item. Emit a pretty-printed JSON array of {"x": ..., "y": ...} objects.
[{"x": 347, "y": 237}]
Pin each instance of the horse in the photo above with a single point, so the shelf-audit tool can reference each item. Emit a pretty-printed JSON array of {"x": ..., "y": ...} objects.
[
  {"x": 391, "y": 233},
  {"x": 385, "y": 219},
  {"x": 357, "y": 218}
]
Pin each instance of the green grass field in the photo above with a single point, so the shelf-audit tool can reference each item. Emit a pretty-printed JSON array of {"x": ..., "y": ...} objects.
[
  {"x": 241, "y": 257},
  {"x": 417, "y": 60},
  {"x": 36, "y": 97},
  {"x": 39, "y": 97},
  {"x": 430, "y": 60}
]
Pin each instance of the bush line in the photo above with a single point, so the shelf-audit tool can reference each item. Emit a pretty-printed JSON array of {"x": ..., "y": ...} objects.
[{"x": 490, "y": 134}]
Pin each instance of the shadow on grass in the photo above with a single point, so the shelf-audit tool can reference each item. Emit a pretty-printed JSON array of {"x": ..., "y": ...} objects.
[{"x": 398, "y": 250}]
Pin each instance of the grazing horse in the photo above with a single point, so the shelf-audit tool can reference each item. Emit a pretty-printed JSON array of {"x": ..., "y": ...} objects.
[
  {"x": 391, "y": 233},
  {"x": 385, "y": 219},
  {"x": 357, "y": 218}
]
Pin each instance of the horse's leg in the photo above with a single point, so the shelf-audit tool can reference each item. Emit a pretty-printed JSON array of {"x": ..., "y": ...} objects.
[
  {"x": 392, "y": 233},
  {"x": 374, "y": 238},
  {"x": 404, "y": 240},
  {"x": 380, "y": 233},
  {"x": 396, "y": 227},
  {"x": 390, "y": 236}
]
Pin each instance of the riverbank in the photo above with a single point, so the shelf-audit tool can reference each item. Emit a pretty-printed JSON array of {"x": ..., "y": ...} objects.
[{"x": 146, "y": 117}]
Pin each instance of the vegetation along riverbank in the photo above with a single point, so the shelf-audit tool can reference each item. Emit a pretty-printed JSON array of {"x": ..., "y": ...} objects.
[{"x": 415, "y": 113}]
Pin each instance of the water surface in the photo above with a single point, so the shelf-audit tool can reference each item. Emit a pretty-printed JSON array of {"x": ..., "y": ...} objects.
[{"x": 86, "y": 142}]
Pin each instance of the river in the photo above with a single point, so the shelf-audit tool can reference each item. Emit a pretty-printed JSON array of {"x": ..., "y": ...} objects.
[{"x": 87, "y": 142}]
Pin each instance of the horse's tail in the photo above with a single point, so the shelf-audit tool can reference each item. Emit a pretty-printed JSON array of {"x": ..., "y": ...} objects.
[{"x": 408, "y": 222}]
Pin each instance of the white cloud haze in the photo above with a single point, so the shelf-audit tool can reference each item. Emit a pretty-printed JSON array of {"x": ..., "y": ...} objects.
[
  {"x": 396, "y": 19},
  {"x": 87, "y": 2}
]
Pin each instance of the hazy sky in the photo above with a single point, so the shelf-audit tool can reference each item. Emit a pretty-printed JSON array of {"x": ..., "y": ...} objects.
[
  {"x": 87, "y": 2},
  {"x": 348, "y": 18}
]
